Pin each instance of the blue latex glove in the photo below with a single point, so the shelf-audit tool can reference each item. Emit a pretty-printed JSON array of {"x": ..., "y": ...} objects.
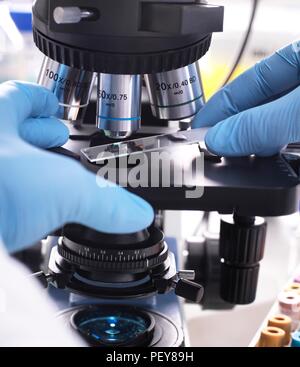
[
  {"x": 259, "y": 112},
  {"x": 39, "y": 190}
]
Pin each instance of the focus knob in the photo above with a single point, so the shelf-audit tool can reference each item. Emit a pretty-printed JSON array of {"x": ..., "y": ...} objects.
[{"x": 242, "y": 242}]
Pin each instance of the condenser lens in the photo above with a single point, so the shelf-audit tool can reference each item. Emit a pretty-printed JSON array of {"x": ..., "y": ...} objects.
[{"x": 115, "y": 327}]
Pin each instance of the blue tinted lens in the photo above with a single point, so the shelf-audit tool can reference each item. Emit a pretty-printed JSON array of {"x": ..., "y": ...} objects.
[{"x": 110, "y": 327}]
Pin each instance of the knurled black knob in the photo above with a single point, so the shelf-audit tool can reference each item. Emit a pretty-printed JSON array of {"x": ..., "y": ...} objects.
[
  {"x": 189, "y": 290},
  {"x": 238, "y": 285},
  {"x": 242, "y": 242}
]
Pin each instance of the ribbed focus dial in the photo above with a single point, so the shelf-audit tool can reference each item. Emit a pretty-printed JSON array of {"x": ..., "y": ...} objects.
[{"x": 242, "y": 241}]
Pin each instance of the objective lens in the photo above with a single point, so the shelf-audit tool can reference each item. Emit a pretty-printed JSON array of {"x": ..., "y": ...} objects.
[
  {"x": 114, "y": 326},
  {"x": 119, "y": 104},
  {"x": 176, "y": 94},
  {"x": 71, "y": 86}
]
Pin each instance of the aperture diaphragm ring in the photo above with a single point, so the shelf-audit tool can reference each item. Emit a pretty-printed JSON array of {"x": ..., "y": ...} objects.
[
  {"x": 134, "y": 265},
  {"x": 107, "y": 254}
]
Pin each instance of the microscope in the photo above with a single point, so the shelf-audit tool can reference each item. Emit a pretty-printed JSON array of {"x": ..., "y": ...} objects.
[{"x": 132, "y": 66}]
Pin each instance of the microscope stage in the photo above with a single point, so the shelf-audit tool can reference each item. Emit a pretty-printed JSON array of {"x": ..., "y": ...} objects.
[{"x": 248, "y": 185}]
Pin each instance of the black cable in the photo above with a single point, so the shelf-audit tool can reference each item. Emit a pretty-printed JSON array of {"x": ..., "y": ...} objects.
[{"x": 245, "y": 41}]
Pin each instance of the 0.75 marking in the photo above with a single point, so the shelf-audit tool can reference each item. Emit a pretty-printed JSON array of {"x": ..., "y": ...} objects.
[{"x": 112, "y": 96}]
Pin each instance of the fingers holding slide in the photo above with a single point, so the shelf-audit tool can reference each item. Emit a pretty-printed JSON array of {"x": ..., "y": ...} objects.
[
  {"x": 240, "y": 135},
  {"x": 262, "y": 130},
  {"x": 267, "y": 79}
]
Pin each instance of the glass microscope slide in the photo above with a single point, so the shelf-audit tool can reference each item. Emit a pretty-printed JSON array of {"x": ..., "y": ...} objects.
[{"x": 143, "y": 145}]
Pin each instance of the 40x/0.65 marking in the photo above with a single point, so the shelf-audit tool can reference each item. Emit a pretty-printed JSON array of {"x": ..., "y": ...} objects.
[{"x": 112, "y": 96}]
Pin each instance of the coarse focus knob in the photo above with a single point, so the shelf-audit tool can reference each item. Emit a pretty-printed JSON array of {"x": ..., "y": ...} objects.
[
  {"x": 242, "y": 242},
  {"x": 238, "y": 285},
  {"x": 189, "y": 290}
]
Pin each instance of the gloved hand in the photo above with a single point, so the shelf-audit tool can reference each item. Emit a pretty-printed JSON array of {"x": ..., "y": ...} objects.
[
  {"x": 40, "y": 191},
  {"x": 259, "y": 112}
]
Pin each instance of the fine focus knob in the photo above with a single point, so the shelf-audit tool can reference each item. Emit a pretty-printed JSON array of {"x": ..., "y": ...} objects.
[
  {"x": 242, "y": 242},
  {"x": 189, "y": 290}
]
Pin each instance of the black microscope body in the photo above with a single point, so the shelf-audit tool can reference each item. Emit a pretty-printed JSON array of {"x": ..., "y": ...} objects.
[{"x": 154, "y": 47}]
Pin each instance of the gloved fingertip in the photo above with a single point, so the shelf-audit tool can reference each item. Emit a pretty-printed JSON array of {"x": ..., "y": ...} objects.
[
  {"x": 44, "y": 132},
  {"x": 55, "y": 134},
  {"x": 42, "y": 101},
  {"x": 210, "y": 141},
  {"x": 198, "y": 121},
  {"x": 110, "y": 208},
  {"x": 195, "y": 123},
  {"x": 51, "y": 103},
  {"x": 48, "y": 103},
  {"x": 269, "y": 152},
  {"x": 62, "y": 135},
  {"x": 145, "y": 212}
]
